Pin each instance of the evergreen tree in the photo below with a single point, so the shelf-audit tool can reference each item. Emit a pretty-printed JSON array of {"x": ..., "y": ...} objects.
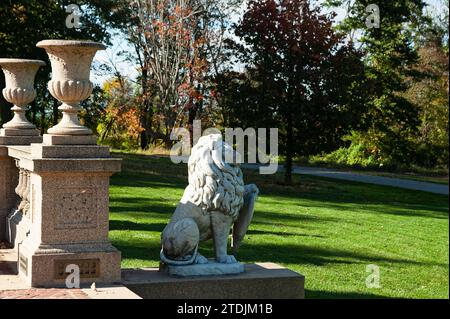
[{"x": 390, "y": 125}]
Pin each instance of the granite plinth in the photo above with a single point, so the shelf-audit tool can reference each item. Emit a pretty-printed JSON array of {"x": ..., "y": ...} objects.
[{"x": 259, "y": 281}]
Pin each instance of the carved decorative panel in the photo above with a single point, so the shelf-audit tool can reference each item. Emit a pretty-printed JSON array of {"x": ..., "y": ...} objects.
[{"x": 76, "y": 209}]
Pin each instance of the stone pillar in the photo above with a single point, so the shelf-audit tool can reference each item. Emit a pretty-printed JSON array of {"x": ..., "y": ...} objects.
[
  {"x": 68, "y": 177},
  {"x": 69, "y": 213}
]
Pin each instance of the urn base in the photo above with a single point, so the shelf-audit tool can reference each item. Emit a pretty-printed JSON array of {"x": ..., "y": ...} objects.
[
  {"x": 19, "y": 132},
  {"x": 69, "y": 139},
  {"x": 19, "y": 140}
]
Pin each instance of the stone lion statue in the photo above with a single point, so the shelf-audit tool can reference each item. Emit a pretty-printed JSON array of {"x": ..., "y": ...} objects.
[{"x": 214, "y": 201}]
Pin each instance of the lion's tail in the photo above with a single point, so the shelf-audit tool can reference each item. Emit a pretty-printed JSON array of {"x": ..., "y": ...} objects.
[{"x": 169, "y": 261}]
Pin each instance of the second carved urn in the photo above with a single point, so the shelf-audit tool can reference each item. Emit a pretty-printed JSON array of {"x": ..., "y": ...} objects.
[{"x": 70, "y": 84}]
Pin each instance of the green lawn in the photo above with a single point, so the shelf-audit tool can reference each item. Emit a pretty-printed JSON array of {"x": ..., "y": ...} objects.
[{"x": 325, "y": 229}]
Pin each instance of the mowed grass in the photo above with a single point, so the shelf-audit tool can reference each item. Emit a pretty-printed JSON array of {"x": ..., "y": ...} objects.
[{"x": 327, "y": 230}]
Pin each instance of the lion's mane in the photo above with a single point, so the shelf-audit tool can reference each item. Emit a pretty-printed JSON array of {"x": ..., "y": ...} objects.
[{"x": 214, "y": 185}]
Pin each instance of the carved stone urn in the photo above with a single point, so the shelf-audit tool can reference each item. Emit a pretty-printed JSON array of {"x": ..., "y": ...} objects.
[
  {"x": 19, "y": 90},
  {"x": 71, "y": 62}
]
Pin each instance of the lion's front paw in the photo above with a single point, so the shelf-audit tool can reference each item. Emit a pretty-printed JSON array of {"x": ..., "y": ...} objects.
[
  {"x": 226, "y": 259},
  {"x": 201, "y": 259}
]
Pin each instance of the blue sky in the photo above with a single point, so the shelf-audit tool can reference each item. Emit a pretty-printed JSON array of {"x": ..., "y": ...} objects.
[{"x": 129, "y": 70}]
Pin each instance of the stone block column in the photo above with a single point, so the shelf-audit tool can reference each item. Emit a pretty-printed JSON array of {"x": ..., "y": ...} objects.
[
  {"x": 69, "y": 212},
  {"x": 65, "y": 184},
  {"x": 9, "y": 176}
]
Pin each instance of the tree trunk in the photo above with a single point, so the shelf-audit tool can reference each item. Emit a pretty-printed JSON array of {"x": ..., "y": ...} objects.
[
  {"x": 55, "y": 112},
  {"x": 5, "y": 106},
  {"x": 144, "y": 140},
  {"x": 146, "y": 123},
  {"x": 42, "y": 117},
  {"x": 33, "y": 111},
  {"x": 191, "y": 118},
  {"x": 147, "y": 113},
  {"x": 107, "y": 129},
  {"x": 289, "y": 149}
]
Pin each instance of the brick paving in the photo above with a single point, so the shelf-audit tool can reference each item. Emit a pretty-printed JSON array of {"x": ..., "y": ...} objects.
[{"x": 50, "y": 293}]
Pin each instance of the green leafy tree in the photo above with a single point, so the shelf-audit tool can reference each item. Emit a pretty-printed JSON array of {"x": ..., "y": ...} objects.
[
  {"x": 301, "y": 76},
  {"x": 390, "y": 125},
  {"x": 430, "y": 92}
]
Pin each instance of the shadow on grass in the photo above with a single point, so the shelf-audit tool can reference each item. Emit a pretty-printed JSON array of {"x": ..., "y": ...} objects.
[
  {"x": 263, "y": 217},
  {"x": 143, "y": 179},
  {"x": 148, "y": 253},
  {"x": 320, "y": 294},
  {"x": 159, "y": 227},
  {"x": 406, "y": 210},
  {"x": 140, "y": 206},
  {"x": 148, "y": 250},
  {"x": 127, "y": 225},
  {"x": 281, "y": 233},
  {"x": 303, "y": 255},
  {"x": 376, "y": 198}
]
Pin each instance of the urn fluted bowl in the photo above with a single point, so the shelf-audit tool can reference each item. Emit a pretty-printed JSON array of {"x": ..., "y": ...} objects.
[
  {"x": 19, "y": 90},
  {"x": 71, "y": 66}
]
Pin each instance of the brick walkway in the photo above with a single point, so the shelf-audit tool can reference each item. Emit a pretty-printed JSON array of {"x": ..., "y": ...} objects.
[{"x": 51, "y": 293}]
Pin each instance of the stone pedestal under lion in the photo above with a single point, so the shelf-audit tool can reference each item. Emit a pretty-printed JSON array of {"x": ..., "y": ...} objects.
[{"x": 215, "y": 201}]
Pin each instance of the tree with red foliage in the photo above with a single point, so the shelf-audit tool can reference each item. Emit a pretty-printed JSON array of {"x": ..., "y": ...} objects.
[
  {"x": 178, "y": 44},
  {"x": 301, "y": 76}
]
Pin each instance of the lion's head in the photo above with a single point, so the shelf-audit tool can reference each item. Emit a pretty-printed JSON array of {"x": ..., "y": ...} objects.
[{"x": 214, "y": 184}]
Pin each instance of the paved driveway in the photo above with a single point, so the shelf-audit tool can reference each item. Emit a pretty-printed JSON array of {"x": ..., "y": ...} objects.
[{"x": 363, "y": 178}]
